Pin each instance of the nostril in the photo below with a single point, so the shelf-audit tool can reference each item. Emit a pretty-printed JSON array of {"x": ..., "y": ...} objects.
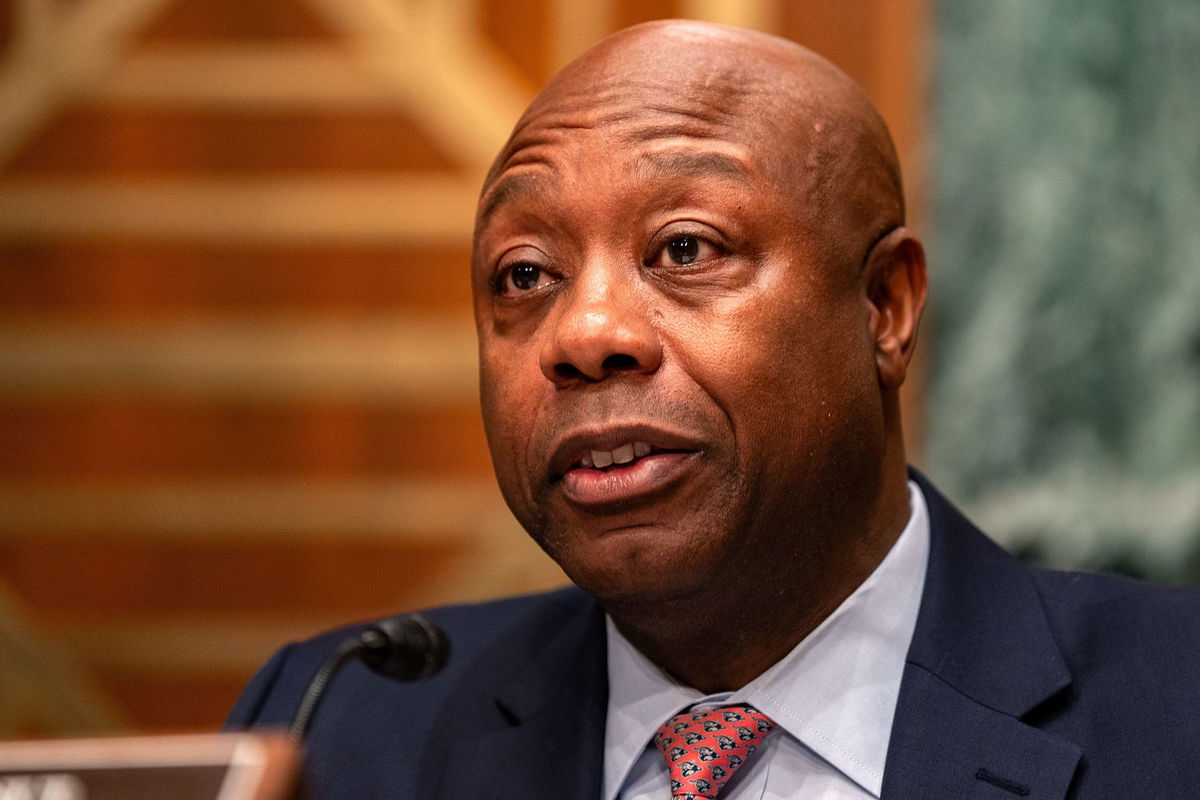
[
  {"x": 588, "y": 370},
  {"x": 567, "y": 371},
  {"x": 619, "y": 361}
]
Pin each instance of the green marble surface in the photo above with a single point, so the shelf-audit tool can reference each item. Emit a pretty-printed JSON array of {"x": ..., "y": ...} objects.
[{"x": 1064, "y": 394}]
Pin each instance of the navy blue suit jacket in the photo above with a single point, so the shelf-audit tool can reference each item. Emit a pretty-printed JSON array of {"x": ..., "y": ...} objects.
[{"x": 1018, "y": 683}]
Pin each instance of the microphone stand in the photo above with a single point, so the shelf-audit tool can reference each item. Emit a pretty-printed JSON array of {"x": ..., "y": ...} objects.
[{"x": 406, "y": 647}]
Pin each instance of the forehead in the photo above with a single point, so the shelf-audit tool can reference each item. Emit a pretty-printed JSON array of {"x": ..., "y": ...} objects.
[
  {"x": 697, "y": 126},
  {"x": 553, "y": 171}
]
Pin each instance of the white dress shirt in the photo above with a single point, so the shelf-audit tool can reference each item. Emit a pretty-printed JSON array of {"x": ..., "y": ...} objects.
[{"x": 833, "y": 696}]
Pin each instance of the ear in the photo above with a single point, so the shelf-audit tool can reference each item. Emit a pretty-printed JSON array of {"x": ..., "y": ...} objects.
[{"x": 896, "y": 289}]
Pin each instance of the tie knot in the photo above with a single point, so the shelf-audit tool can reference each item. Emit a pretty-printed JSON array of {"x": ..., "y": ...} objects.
[{"x": 704, "y": 748}]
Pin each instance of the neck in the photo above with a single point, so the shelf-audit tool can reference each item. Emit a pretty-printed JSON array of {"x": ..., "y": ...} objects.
[{"x": 721, "y": 639}]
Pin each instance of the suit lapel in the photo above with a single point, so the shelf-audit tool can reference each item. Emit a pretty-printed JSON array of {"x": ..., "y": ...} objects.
[
  {"x": 945, "y": 744},
  {"x": 546, "y": 739},
  {"x": 981, "y": 659}
]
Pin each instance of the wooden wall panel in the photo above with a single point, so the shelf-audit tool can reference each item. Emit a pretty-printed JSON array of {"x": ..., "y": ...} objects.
[
  {"x": 517, "y": 24},
  {"x": 192, "y": 20},
  {"x": 97, "y": 437},
  {"x": 131, "y": 279},
  {"x": 7, "y": 25},
  {"x": 135, "y": 142},
  {"x": 239, "y": 400},
  {"x": 74, "y": 580},
  {"x": 632, "y": 12},
  {"x": 148, "y": 697}
]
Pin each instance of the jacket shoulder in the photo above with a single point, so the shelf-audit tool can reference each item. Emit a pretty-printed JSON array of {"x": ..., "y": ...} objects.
[
  {"x": 1134, "y": 653},
  {"x": 273, "y": 694},
  {"x": 375, "y": 737},
  {"x": 1109, "y": 615}
]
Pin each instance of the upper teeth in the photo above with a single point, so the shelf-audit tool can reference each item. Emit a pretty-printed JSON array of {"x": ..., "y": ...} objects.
[{"x": 621, "y": 455}]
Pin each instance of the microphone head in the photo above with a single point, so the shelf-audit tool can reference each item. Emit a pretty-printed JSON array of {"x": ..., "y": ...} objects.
[{"x": 405, "y": 647}]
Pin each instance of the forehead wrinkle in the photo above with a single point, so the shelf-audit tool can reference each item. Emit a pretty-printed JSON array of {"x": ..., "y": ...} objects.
[
  {"x": 615, "y": 100},
  {"x": 618, "y": 99},
  {"x": 658, "y": 165},
  {"x": 620, "y": 129},
  {"x": 682, "y": 164}
]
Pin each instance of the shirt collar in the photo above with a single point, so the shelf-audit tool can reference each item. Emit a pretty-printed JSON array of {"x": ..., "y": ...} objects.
[{"x": 835, "y": 691}]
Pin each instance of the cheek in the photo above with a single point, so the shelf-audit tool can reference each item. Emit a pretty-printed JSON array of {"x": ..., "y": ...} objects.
[
  {"x": 508, "y": 410},
  {"x": 515, "y": 398},
  {"x": 780, "y": 366}
]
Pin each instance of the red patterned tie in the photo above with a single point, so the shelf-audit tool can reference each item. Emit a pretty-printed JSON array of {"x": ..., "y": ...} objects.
[{"x": 704, "y": 748}]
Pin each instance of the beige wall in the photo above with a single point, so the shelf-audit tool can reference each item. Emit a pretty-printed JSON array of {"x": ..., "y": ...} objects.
[{"x": 238, "y": 392}]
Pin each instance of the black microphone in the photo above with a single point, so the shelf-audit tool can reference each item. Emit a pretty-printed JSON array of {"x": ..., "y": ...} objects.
[{"x": 406, "y": 647}]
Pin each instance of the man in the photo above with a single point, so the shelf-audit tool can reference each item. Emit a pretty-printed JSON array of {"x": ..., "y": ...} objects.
[{"x": 696, "y": 301}]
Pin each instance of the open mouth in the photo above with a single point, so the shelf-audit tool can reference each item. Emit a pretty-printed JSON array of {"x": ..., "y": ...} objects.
[
  {"x": 623, "y": 456},
  {"x": 617, "y": 457},
  {"x": 607, "y": 470},
  {"x": 625, "y": 452}
]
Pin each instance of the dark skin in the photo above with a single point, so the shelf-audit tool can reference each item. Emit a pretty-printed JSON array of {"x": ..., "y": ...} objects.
[{"x": 696, "y": 302}]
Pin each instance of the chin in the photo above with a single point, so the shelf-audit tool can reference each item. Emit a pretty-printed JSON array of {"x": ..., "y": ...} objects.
[
  {"x": 633, "y": 589},
  {"x": 635, "y": 565}
]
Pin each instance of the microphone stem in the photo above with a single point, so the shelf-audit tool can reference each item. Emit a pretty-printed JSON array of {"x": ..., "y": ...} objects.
[{"x": 346, "y": 651}]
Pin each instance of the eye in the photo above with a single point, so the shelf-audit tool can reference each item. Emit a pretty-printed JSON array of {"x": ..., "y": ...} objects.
[
  {"x": 684, "y": 250},
  {"x": 522, "y": 278}
]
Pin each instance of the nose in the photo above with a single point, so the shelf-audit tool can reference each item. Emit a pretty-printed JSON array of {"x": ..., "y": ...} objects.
[{"x": 601, "y": 327}]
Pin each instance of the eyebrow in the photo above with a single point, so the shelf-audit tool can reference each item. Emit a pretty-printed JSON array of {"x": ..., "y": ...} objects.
[{"x": 509, "y": 188}]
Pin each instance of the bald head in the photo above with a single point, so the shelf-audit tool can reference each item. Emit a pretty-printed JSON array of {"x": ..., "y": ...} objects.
[{"x": 809, "y": 127}]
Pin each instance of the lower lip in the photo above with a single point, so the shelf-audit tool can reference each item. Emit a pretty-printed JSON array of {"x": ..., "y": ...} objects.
[{"x": 615, "y": 489}]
